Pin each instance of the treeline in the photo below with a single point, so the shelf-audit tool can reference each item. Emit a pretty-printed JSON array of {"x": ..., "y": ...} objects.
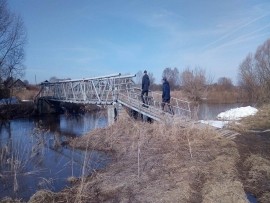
[
  {"x": 253, "y": 83},
  {"x": 254, "y": 74}
]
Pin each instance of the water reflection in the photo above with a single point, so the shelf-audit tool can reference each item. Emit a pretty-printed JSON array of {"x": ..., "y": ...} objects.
[
  {"x": 210, "y": 111},
  {"x": 33, "y": 154}
]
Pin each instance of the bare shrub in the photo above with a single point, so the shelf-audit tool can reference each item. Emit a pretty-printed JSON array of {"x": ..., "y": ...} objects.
[
  {"x": 262, "y": 57},
  {"x": 254, "y": 74},
  {"x": 172, "y": 76},
  {"x": 139, "y": 76},
  {"x": 195, "y": 83},
  {"x": 248, "y": 78},
  {"x": 225, "y": 83},
  {"x": 12, "y": 41}
]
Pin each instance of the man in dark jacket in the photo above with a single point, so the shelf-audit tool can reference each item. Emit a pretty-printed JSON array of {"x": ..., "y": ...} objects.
[
  {"x": 166, "y": 94},
  {"x": 145, "y": 85}
]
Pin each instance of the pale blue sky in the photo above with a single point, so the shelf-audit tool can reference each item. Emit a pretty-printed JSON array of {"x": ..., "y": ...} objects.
[{"x": 85, "y": 38}]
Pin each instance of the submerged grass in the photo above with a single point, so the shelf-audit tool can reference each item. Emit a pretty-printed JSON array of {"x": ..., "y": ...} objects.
[{"x": 158, "y": 163}]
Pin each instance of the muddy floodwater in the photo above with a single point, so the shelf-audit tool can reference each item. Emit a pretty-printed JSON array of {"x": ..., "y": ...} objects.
[{"x": 34, "y": 154}]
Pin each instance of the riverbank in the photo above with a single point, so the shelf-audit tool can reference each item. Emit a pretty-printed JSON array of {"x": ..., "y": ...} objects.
[
  {"x": 18, "y": 110},
  {"x": 157, "y": 163},
  {"x": 166, "y": 163},
  {"x": 24, "y": 109}
]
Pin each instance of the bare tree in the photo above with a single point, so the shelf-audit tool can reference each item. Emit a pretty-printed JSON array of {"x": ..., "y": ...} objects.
[
  {"x": 248, "y": 78},
  {"x": 262, "y": 65},
  {"x": 139, "y": 76},
  {"x": 138, "y": 79},
  {"x": 12, "y": 41},
  {"x": 195, "y": 83},
  {"x": 225, "y": 83},
  {"x": 151, "y": 78},
  {"x": 172, "y": 76}
]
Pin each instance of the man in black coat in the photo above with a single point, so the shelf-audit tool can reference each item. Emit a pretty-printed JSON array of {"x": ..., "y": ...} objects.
[
  {"x": 166, "y": 94},
  {"x": 145, "y": 85}
]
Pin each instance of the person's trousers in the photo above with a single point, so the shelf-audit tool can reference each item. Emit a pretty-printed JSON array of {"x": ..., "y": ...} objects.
[{"x": 142, "y": 95}]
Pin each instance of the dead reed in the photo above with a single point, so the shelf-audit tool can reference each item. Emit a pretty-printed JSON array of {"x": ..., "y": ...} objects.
[{"x": 159, "y": 163}]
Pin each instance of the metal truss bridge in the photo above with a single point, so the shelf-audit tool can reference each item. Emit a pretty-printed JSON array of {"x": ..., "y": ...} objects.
[{"x": 114, "y": 90}]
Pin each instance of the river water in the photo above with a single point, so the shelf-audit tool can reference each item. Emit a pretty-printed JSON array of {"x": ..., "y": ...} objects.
[
  {"x": 210, "y": 111},
  {"x": 33, "y": 154}
]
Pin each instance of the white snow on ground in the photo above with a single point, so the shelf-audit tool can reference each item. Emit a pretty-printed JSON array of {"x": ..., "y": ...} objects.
[
  {"x": 231, "y": 115},
  {"x": 237, "y": 113},
  {"x": 217, "y": 124}
]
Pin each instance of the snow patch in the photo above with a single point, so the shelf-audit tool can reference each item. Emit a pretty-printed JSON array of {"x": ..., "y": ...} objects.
[
  {"x": 231, "y": 115},
  {"x": 217, "y": 124},
  {"x": 237, "y": 113}
]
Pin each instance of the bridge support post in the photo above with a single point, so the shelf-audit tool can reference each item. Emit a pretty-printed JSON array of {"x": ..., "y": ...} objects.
[
  {"x": 44, "y": 106},
  {"x": 112, "y": 114}
]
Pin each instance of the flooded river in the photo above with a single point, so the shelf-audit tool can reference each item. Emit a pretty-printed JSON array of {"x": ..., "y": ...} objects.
[
  {"x": 33, "y": 154},
  {"x": 210, "y": 111}
]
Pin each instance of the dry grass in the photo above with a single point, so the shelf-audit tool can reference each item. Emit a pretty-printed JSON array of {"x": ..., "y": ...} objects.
[
  {"x": 10, "y": 200},
  {"x": 258, "y": 175},
  {"x": 261, "y": 120},
  {"x": 159, "y": 163},
  {"x": 216, "y": 95},
  {"x": 258, "y": 122},
  {"x": 25, "y": 94},
  {"x": 42, "y": 196}
]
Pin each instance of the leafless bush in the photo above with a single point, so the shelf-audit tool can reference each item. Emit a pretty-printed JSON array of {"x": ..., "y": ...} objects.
[
  {"x": 248, "y": 78},
  {"x": 12, "y": 41},
  {"x": 254, "y": 74},
  {"x": 139, "y": 75},
  {"x": 195, "y": 83},
  {"x": 225, "y": 83},
  {"x": 172, "y": 76}
]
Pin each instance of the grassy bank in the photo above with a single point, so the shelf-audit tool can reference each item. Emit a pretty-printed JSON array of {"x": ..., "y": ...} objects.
[
  {"x": 166, "y": 163},
  {"x": 157, "y": 163},
  {"x": 253, "y": 146}
]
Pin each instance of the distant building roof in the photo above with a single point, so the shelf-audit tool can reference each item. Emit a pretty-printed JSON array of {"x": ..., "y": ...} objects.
[{"x": 17, "y": 84}]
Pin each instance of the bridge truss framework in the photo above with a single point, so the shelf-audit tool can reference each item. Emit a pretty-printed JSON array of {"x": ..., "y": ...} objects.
[{"x": 112, "y": 89}]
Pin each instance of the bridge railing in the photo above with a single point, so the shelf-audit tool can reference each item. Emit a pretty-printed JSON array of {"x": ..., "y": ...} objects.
[
  {"x": 97, "y": 90},
  {"x": 108, "y": 89},
  {"x": 153, "y": 102}
]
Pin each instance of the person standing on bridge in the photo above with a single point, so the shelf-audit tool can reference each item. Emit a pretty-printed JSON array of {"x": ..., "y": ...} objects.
[
  {"x": 145, "y": 86},
  {"x": 166, "y": 94}
]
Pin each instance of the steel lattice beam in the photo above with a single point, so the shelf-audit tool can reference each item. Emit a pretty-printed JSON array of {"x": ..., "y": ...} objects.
[{"x": 109, "y": 89}]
